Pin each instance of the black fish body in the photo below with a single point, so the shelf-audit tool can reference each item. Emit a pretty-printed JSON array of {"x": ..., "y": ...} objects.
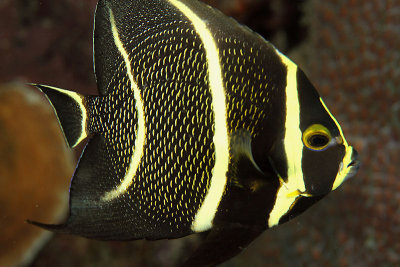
[{"x": 200, "y": 124}]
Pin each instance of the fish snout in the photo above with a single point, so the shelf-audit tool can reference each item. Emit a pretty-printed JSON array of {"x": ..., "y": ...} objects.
[{"x": 355, "y": 162}]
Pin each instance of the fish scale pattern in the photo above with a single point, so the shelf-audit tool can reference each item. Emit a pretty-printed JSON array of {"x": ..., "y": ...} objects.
[
  {"x": 169, "y": 67},
  {"x": 248, "y": 83},
  {"x": 110, "y": 116}
]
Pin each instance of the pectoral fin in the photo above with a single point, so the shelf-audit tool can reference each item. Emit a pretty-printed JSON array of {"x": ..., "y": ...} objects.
[
  {"x": 241, "y": 147},
  {"x": 244, "y": 170}
]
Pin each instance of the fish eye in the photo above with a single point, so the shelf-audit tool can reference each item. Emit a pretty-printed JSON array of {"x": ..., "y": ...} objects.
[{"x": 316, "y": 137}]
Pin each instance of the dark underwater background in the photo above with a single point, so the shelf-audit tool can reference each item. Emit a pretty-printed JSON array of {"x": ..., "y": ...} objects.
[{"x": 350, "y": 50}]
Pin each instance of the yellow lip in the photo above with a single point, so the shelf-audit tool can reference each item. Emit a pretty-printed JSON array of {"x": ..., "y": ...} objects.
[
  {"x": 294, "y": 194},
  {"x": 298, "y": 193},
  {"x": 348, "y": 167}
]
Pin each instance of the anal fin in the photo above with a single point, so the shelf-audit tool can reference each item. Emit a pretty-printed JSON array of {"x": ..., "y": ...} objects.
[
  {"x": 89, "y": 216},
  {"x": 223, "y": 243}
]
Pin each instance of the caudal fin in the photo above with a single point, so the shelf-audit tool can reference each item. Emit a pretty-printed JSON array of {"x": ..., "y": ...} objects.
[{"x": 70, "y": 110}]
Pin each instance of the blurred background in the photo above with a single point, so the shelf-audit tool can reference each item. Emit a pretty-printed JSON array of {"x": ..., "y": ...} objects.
[{"x": 350, "y": 50}]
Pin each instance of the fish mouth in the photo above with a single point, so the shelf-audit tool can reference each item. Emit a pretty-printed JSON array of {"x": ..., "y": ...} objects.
[
  {"x": 351, "y": 170},
  {"x": 355, "y": 162},
  {"x": 348, "y": 167},
  {"x": 353, "y": 166}
]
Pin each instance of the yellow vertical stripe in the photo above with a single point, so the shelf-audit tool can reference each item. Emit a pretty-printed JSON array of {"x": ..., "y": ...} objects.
[
  {"x": 206, "y": 213},
  {"x": 283, "y": 203},
  {"x": 287, "y": 193},
  {"x": 141, "y": 129}
]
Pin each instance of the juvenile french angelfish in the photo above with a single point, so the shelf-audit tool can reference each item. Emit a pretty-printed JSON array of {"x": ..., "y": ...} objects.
[{"x": 200, "y": 125}]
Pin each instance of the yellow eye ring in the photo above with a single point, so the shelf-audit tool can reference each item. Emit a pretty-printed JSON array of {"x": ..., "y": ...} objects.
[{"x": 316, "y": 137}]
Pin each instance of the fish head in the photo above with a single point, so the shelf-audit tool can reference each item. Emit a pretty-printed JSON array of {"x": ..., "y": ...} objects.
[{"x": 312, "y": 156}]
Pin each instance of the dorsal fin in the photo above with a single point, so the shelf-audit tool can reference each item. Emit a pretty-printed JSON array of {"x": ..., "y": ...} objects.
[{"x": 106, "y": 57}]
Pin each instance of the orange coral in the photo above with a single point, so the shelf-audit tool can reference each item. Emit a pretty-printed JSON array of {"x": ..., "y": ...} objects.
[{"x": 33, "y": 165}]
